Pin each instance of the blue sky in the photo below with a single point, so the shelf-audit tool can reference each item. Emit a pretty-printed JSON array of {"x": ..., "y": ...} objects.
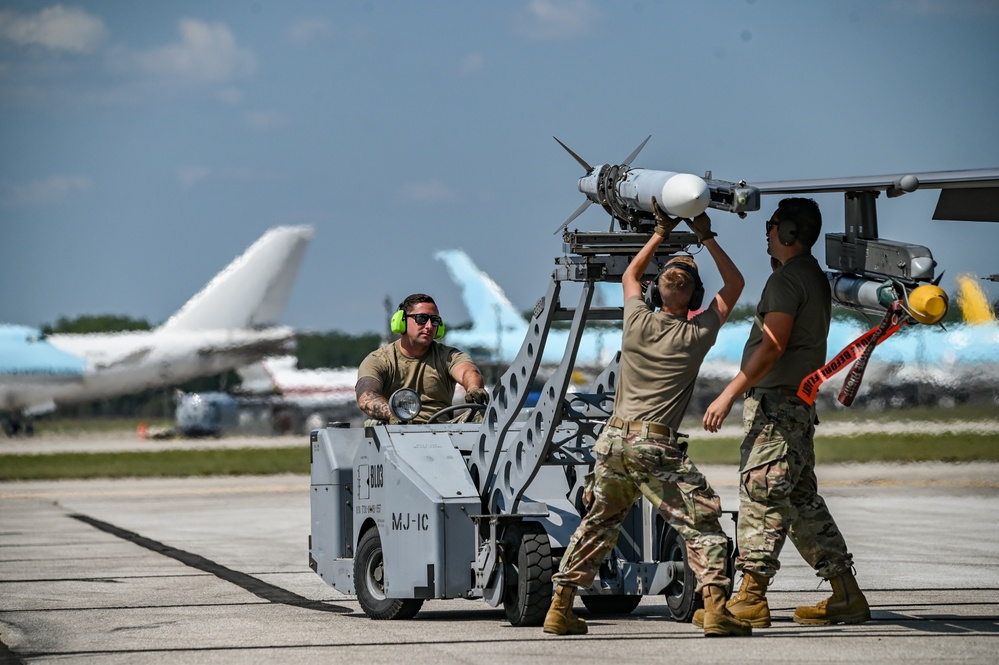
[{"x": 146, "y": 144}]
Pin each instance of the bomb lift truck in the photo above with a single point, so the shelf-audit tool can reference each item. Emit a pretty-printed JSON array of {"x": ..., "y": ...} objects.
[{"x": 406, "y": 513}]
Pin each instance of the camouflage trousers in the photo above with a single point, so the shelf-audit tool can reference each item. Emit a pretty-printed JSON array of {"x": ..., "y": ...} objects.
[
  {"x": 627, "y": 467},
  {"x": 778, "y": 492}
]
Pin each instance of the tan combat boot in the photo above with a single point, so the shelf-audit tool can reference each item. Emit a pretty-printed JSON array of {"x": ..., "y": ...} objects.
[
  {"x": 561, "y": 620},
  {"x": 749, "y": 604},
  {"x": 846, "y": 605},
  {"x": 718, "y": 621}
]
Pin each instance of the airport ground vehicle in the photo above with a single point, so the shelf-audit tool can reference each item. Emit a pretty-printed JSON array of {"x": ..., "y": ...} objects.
[{"x": 406, "y": 513}]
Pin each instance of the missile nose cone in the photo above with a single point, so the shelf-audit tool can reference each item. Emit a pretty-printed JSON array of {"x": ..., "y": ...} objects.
[
  {"x": 685, "y": 195},
  {"x": 928, "y": 303}
]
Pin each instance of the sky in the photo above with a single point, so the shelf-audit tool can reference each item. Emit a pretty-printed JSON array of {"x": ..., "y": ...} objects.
[{"x": 144, "y": 145}]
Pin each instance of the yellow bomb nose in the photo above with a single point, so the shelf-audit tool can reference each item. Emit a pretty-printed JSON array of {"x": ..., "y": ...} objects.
[{"x": 928, "y": 303}]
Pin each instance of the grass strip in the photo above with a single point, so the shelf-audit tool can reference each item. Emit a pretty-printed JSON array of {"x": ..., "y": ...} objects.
[
  {"x": 943, "y": 447},
  {"x": 163, "y": 464}
]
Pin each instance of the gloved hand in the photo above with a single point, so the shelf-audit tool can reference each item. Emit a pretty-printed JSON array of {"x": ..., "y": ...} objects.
[
  {"x": 701, "y": 226},
  {"x": 664, "y": 223},
  {"x": 477, "y": 395}
]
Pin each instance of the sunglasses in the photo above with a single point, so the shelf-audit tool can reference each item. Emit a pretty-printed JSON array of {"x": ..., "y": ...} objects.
[
  {"x": 771, "y": 223},
  {"x": 421, "y": 319}
]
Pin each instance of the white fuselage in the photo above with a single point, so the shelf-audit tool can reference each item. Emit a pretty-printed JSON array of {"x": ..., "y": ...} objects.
[{"x": 121, "y": 363}]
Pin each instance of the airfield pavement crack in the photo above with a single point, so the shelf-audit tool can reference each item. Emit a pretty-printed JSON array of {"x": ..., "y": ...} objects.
[{"x": 259, "y": 588}]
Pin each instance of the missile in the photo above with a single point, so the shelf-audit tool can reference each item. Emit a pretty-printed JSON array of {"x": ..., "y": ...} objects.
[
  {"x": 626, "y": 193},
  {"x": 632, "y": 190},
  {"x": 926, "y": 303}
]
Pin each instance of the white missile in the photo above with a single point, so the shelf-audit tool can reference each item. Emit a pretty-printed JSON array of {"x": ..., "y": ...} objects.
[
  {"x": 679, "y": 194},
  {"x": 627, "y": 193}
]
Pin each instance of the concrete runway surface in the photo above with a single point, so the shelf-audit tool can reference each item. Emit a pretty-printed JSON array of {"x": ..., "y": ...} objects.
[{"x": 216, "y": 571}]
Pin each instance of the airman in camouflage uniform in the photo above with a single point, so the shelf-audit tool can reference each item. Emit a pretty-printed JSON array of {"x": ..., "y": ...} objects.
[
  {"x": 637, "y": 452},
  {"x": 778, "y": 494}
]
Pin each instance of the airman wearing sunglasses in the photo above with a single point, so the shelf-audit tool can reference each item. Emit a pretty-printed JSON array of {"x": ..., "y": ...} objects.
[{"x": 418, "y": 361}]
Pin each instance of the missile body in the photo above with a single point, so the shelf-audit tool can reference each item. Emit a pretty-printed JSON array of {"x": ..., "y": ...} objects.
[
  {"x": 632, "y": 190},
  {"x": 626, "y": 193}
]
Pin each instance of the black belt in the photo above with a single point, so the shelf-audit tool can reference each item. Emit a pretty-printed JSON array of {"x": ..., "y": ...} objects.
[
  {"x": 783, "y": 392},
  {"x": 641, "y": 426}
]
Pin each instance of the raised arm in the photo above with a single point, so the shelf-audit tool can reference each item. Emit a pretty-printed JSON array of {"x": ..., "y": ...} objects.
[
  {"x": 732, "y": 280},
  {"x": 631, "y": 280}
]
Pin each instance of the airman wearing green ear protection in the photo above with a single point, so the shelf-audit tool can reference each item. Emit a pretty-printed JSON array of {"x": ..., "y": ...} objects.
[{"x": 418, "y": 361}]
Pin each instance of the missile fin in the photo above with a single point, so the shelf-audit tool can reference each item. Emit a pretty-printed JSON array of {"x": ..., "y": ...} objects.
[
  {"x": 582, "y": 162},
  {"x": 579, "y": 211},
  {"x": 631, "y": 157}
]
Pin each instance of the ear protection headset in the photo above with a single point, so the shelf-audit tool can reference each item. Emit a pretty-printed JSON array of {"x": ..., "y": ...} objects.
[
  {"x": 654, "y": 299},
  {"x": 787, "y": 231},
  {"x": 398, "y": 324}
]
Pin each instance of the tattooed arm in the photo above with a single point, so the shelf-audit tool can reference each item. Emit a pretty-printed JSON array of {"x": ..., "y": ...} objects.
[{"x": 370, "y": 399}]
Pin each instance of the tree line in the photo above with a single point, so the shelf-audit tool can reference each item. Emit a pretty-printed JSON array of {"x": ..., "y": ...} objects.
[{"x": 313, "y": 350}]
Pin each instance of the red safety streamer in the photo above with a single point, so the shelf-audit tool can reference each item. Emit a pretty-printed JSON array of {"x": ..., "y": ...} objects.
[{"x": 861, "y": 347}]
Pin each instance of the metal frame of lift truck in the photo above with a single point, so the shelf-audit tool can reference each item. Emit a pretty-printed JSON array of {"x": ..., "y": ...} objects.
[{"x": 406, "y": 513}]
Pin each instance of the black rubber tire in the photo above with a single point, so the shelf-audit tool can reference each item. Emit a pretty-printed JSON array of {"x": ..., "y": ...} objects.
[
  {"x": 681, "y": 599},
  {"x": 611, "y": 604},
  {"x": 527, "y": 558},
  {"x": 368, "y": 580}
]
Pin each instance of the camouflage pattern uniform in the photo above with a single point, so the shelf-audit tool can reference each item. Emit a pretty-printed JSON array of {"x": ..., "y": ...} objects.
[
  {"x": 778, "y": 495},
  {"x": 629, "y": 465},
  {"x": 661, "y": 354}
]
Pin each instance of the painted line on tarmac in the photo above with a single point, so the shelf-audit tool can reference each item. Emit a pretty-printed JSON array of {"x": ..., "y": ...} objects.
[
  {"x": 256, "y": 586},
  {"x": 153, "y": 492}
]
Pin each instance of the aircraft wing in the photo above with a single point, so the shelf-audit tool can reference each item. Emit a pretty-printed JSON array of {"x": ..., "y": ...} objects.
[{"x": 966, "y": 195}]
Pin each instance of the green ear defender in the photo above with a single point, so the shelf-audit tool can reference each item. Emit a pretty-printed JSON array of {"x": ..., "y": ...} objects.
[{"x": 398, "y": 324}]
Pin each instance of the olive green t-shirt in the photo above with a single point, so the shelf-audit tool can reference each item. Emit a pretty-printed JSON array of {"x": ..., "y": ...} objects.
[
  {"x": 799, "y": 288},
  {"x": 660, "y": 357},
  {"x": 430, "y": 376}
]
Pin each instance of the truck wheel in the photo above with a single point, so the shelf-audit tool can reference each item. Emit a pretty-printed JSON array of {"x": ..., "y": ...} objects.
[
  {"x": 527, "y": 557},
  {"x": 681, "y": 599},
  {"x": 611, "y": 604},
  {"x": 369, "y": 579}
]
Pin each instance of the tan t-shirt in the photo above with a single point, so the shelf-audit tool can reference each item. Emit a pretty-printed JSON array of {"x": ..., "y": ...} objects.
[
  {"x": 430, "y": 376},
  {"x": 799, "y": 288},
  {"x": 660, "y": 357}
]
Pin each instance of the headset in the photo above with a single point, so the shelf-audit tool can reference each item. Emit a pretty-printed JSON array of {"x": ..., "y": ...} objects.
[
  {"x": 398, "y": 324},
  {"x": 787, "y": 231},
  {"x": 654, "y": 300}
]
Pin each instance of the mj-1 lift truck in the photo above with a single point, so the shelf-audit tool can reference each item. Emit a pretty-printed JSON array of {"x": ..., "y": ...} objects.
[{"x": 406, "y": 513}]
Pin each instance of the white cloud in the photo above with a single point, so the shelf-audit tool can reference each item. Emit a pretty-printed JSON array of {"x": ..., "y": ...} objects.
[
  {"x": 54, "y": 189},
  {"x": 472, "y": 63},
  {"x": 308, "y": 31},
  {"x": 56, "y": 28},
  {"x": 556, "y": 19},
  {"x": 429, "y": 191},
  {"x": 230, "y": 95},
  {"x": 206, "y": 53},
  {"x": 261, "y": 120},
  {"x": 192, "y": 175}
]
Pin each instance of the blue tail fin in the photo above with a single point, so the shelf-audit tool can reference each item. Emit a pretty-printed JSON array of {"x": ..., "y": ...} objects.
[{"x": 488, "y": 307}]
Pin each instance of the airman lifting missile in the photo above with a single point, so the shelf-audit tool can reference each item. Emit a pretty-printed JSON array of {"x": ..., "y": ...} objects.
[{"x": 626, "y": 193}]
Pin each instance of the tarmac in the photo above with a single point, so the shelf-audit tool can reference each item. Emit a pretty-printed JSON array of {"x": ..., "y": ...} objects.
[{"x": 215, "y": 570}]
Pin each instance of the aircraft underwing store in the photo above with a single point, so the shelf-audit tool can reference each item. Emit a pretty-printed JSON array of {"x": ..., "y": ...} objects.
[
  {"x": 867, "y": 273},
  {"x": 405, "y": 513}
]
